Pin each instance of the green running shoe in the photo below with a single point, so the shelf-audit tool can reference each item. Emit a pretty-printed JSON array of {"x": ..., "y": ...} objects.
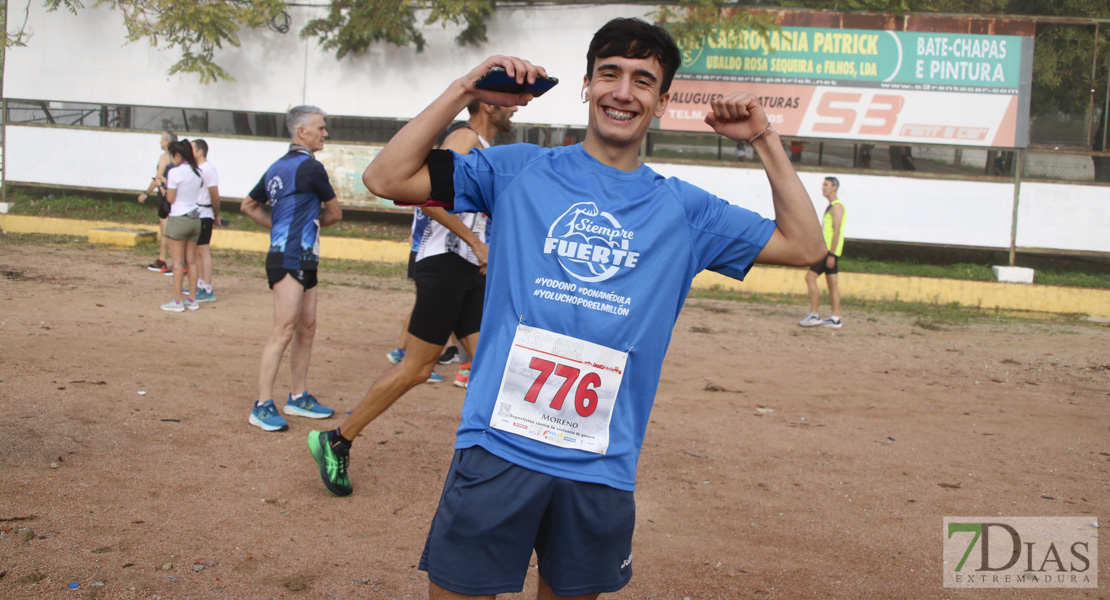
[{"x": 332, "y": 460}]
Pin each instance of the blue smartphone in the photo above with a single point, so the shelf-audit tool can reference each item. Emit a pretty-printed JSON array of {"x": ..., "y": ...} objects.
[{"x": 497, "y": 80}]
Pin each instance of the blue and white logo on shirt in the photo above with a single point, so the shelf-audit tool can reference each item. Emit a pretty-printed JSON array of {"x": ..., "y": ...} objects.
[
  {"x": 273, "y": 188},
  {"x": 591, "y": 245}
]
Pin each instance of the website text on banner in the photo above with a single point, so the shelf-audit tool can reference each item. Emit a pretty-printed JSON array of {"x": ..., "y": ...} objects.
[{"x": 897, "y": 86}]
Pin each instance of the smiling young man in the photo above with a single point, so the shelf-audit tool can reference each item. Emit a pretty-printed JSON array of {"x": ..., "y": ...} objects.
[{"x": 592, "y": 258}]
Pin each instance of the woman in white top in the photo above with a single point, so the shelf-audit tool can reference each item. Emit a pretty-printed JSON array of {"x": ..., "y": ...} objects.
[{"x": 183, "y": 188}]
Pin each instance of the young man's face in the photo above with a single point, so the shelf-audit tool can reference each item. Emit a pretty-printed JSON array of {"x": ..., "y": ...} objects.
[
  {"x": 624, "y": 96},
  {"x": 313, "y": 133},
  {"x": 827, "y": 188}
]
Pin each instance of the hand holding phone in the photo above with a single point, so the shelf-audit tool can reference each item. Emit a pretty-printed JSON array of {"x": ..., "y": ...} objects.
[{"x": 497, "y": 80}]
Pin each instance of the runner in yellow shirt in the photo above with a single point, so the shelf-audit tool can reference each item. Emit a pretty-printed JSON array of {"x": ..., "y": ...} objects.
[{"x": 833, "y": 224}]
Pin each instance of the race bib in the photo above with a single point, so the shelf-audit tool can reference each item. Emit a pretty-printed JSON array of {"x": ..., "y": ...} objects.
[{"x": 559, "y": 390}]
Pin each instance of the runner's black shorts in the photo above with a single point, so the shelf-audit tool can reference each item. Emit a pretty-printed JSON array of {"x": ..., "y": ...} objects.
[
  {"x": 412, "y": 265},
  {"x": 306, "y": 277},
  {"x": 205, "y": 231},
  {"x": 449, "y": 296},
  {"x": 821, "y": 267}
]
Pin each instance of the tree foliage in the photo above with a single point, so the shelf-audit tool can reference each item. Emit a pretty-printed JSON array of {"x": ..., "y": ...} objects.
[
  {"x": 198, "y": 28},
  {"x": 690, "y": 22},
  {"x": 351, "y": 26}
]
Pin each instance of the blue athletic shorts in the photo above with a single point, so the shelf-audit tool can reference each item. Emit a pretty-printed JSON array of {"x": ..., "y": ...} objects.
[{"x": 492, "y": 514}]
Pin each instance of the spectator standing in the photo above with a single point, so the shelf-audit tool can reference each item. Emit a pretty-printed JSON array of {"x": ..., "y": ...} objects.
[
  {"x": 833, "y": 226},
  {"x": 183, "y": 189},
  {"x": 295, "y": 187},
  {"x": 158, "y": 186},
  {"x": 209, "y": 219},
  {"x": 796, "y": 147}
]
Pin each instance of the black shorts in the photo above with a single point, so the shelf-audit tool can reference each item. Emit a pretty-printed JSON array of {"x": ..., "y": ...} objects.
[
  {"x": 205, "y": 232},
  {"x": 412, "y": 265},
  {"x": 306, "y": 277},
  {"x": 820, "y": 267},
  {"x": 163, "y": 207},
  {"x": 449, "y": 296}
]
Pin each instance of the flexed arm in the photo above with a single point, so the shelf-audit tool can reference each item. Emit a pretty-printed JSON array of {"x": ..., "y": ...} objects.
[
  {"x": 797, "y": 240},
  {"x": 399, "y": 173}
]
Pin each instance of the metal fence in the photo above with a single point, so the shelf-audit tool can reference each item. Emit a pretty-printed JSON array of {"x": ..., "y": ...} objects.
[{"x": 1060, "y": 162}]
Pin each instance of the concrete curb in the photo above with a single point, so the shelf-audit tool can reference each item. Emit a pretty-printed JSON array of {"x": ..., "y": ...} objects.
[{"x": 987, "y": 295}]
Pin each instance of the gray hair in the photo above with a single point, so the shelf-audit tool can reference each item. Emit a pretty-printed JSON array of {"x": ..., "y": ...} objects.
[
  {"x": 298, "y": 115},
  {"x": 169, "y": 135}
]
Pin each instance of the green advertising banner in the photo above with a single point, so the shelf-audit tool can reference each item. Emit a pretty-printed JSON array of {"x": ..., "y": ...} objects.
[
  {"x": 866, "y": 84},
  {"x": 862, "y": 57}
]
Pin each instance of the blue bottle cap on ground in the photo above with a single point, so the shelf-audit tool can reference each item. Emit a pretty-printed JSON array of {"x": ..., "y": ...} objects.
[{"x": 74, "y": 585}]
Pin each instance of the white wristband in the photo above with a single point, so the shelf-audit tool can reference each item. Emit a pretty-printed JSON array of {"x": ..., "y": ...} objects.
[{"x": 760, "y": 134}]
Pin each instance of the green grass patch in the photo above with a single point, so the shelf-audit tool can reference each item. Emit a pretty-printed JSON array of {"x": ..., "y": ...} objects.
[
  {"x": 963, "y": 271},
  {"x": 63, "y": 204},
  {"x": 969, "y": 272}
]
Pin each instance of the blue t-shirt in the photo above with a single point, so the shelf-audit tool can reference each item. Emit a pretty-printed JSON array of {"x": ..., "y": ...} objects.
[
  {"x": 294, "y": 186},
  {"x": 595, "y": 253}
]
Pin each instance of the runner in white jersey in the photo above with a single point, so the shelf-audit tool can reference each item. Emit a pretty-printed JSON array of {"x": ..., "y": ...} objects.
[
  {"x": 209, "y": 203},
  {"x": 438, "y": 239},
  {"x": 183, "y": 188},
  {"x": 592, "y": 257},
  {"x": 450, "y": 288}
]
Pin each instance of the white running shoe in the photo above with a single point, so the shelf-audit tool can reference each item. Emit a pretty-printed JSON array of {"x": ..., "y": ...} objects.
[
  {"x": 833, "y": 322},
  {"x": 811, "y": 320}
]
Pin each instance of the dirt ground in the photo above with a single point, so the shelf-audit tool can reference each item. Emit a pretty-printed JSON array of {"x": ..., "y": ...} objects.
[{"x": 780, "y": 462}]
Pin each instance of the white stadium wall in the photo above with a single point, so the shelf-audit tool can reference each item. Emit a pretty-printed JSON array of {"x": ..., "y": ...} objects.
[
  {"x": 881, "y": 208},
  {"x": 83, "y": 59},
  {"x": 104, "y": 159}
]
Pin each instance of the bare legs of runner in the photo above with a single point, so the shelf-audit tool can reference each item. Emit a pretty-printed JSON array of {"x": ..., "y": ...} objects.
[
  {"x": 420, "y": 358},
  {"x": 183, "y": 253},
  {"x": 294, "y": 323}
]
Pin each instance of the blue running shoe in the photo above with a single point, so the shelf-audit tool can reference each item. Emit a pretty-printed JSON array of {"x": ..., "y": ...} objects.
[
  {"x": 203, "y": 296},
  {"x": 266, "y": 416},
  {"x": 395, "y": 356},
  {"x": 434, "y": 378},
  {"x": 307, "y": 406}
]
